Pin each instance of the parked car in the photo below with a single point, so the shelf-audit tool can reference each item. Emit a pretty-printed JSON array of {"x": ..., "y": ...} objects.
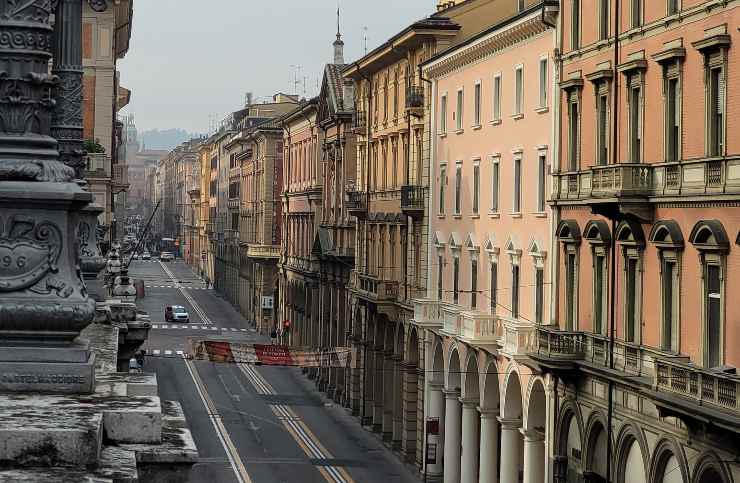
[
  {"x": 146, "y": 256},
  {"x": 176, "y": 313},
  {"x": 166, "y": 257},
  {"x": 137, "y": 256}
]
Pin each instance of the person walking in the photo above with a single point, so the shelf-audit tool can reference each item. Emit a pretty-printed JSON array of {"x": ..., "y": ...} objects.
[{"x": 273, "y": 335}]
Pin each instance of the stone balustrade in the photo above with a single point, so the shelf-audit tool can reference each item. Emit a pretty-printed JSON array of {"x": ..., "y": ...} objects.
[{"x": 702, "y": 385}]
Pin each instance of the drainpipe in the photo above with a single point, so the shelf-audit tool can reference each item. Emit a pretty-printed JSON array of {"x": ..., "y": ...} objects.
[{"x": 287, "y": 214}]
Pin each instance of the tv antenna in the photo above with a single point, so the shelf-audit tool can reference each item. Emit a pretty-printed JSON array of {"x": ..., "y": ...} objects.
[
  {"x": 296, "y": 82},
  {"x": 364, "y": 37}
]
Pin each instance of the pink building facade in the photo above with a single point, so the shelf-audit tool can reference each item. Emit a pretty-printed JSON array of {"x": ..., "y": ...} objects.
[{"x": 489, "y": 264}]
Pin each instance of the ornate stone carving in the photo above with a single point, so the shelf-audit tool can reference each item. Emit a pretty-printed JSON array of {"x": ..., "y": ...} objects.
[
  {"x": 98, "y": 5},
  {"x": 27, "y": 253}
]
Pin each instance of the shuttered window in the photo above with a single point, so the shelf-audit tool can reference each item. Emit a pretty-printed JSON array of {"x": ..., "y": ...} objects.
[
  {"x": 495, "y": 187},
  {"x": 570, "y": 291},
  {"x": 458, "y": 187},
  {"x": 716, "y": 113},
  {"x": 497, "y": 98},
  {"x": 519, "y": 95},
  {"x": 603, "y": 129},
  {"x": 473, "y": 284},
  {"x": 440, "y": 274},
  {"x": 443, "y": 114},
  {"x": 541, "y": 173},
  {"x": 713, "y": 307},
  {"x": 455, "y": 280},
  {"x": 476, "y": 187},
  {"x": 515, "y": 291},
  {"x": 442, "y": 183},
  {"x": 517, "y": 208},
  {"x": 575, "y": 25},
  {"x": 543, "y": 82},
  {"x": 494, "y": 286},
  {"x": 476, "y": 111},
  {"x": 672, "y": 120},
  {"x": 573, "y": 134},
  {"x": 539, "y": 295}
]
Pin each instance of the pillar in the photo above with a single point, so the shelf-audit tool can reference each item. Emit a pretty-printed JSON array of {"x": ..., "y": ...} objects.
[
  {"x": 534, "y": 456},
  {"x": 436, "y": 410},
  {"x": 410, "y": 406},
  {"x": 452, "y": 437},
  {"x": 510, "y": 452},
  {"x": 488, "y": 447},
  {"x": 389, "y": 390},
  {"x": 470, "y": 442},
  {"x": 399, "y": 369}
]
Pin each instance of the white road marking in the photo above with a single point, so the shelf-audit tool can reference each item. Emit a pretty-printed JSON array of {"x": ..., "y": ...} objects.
[
  {"x": 187, "y": 296},
  {"x": 168, "y": 352}
]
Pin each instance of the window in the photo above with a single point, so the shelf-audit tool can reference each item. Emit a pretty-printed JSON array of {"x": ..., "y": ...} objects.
[
  {"x": 476, "y": 110},
  {"x": 573, "y": 134},
  {"x": 497, "y": 98},
  {"x": 476, "y": 187},
  {"x": 442, "y": 183},
  {"x": 673, "y": 117},
  {"x": 385, "y": 99},
  {"x": 395, "y": 94},
  {"x": 603, "y": 19},
  {"x": 473, "y": 283},
  {"x": 519, "y": 5},
  {"x": 455, "y": 280},
  {"x": 602, "y": 119},
  {"x": 575, "y": 25},
  {"x": 635, "y": 112},
  {"x": 543, "y": 82},
  {"x": 494, "y": 286},
  {"x": 394, "y": 155},
  {"x": 443, "y": 114},
  {"x": 636, "y": 13},
  {"x": 713, "y": 304},
  {"x": 570, "y": 290},
  {"x": 669, "y": 279},
  {"x": 630, "y": 294},
  {"x": 440, "y": 274},
  {"x": 716, "y": 111},
  {"x": 495, "y": 186},
  {"x": 517, "y": 204},
  {"x": 672, "y": 7},
  {"x": 515, "y": 291},
  {"x": 458, "y": 185},
  {"x": 599, "y": 293},
  {"x": 234, "y": 189},
  {"x": 459, "y": 111},
  {"x": 539, "y": 294},
  {"x": 518, "y": 98},
  {"x": 214, "y": 162},
  {"x": 235, "y": 221},
  {"x": 541, "y": 173}
]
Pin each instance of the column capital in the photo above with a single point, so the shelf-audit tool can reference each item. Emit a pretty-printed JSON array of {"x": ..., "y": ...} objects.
[
  {"x": 451, "y": 393},
  {"x": 469, "y": 403},
  {"x": 510, "y": 423},
  {"x": 489, "y": 413},
  {"x": 532, "y": 435},
  {"x": 436, "y": 386}
]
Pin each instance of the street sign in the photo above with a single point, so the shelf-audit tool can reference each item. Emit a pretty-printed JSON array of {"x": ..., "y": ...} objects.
[
  {"x": 267, "y": 302},
  {"x": 433, "y": 426},
  {"x": 431, "y": 453}
]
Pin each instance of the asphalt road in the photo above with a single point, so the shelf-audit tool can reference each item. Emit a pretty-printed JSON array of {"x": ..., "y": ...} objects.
[{"x": 250, "y": 423}]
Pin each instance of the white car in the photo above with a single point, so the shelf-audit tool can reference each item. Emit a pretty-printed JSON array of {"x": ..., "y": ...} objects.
[
  {"x": 146, "y": 256},
  {"x": 166, "y": 257}
]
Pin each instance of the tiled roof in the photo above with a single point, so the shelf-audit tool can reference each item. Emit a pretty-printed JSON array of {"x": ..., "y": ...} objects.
[{"x": 335, "y": 85}]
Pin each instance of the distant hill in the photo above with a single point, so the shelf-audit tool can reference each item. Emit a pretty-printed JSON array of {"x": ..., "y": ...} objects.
[{"x": 164, "y": 138}]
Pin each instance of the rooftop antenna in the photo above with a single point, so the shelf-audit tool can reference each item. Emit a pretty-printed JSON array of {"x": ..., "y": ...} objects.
[
  {"x": 304, "y": 85},
  {"x": 364, "y": 36},
  {"x": 296, "y": 70}
]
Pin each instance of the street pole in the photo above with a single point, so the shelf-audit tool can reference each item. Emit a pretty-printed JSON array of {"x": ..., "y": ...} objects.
[{"x": 144, "y": 233}]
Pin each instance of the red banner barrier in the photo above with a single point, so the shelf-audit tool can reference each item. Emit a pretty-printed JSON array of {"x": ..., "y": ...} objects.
[{"x": 271, "y": 355}]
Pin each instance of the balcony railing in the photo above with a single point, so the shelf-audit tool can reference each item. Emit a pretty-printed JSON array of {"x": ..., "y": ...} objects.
[
  {"x": 377, "y": 289},
  {"x": 704, "y": 386},
  {"x": 480, "y": 328},
  {"x": 357, "y": 203},
  {"x": 233, "y": 203},
  {"x": 120, "y": 175},
  {"x": 451, "y": 321},
  {"x": 428, "y": 313},
  {"x": 359, "y": 121},
  {"x": 412, "y": 200},
  {"x": 560, "y": 345},
  {"x": 98, "y": 165},
  {"x": 414, "y": 97},
  {"x": 519, "y": 337},
  {"x": 263, "y": 251}
]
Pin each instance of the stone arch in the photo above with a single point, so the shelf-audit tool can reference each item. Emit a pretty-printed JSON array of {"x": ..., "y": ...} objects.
[
  {"x": 568, "y": 231},
  {"x": 709, "y": 235},
  {"x": 491, "y": 393},
  {"x": 536, "y": 406},
  {"x": 632, "y": 449},
  {"x": 412, "y": 344},
  {"x": 512, "y": 407},
  {"x": 666, "y": 233},
  {"x": 597, "y": 231},
  {"x": 711, "y": 470},
  {"x": 569, "y": 434},
  {"x": 399, "y": 340},
  {"x": 452, "y": 371},
  {"x": 594, "y": 456},
  {"x": 668, "y": 460},
  {"x": 630, "y": 232},
  {"x": 471, "y": 378}
]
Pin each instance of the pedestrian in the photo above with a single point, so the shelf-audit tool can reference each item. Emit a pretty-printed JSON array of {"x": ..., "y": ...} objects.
[{"x": 273, "y": 335}]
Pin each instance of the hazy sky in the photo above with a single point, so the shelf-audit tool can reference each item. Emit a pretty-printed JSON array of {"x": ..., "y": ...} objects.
[{"x": 193, "y": 60}]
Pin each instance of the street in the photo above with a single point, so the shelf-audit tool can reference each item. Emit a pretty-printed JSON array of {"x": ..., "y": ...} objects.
[{"x": 250, "y": 423}]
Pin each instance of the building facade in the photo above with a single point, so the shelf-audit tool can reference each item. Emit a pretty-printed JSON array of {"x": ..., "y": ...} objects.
[
  {"x": 646, "y": 193},
  {"x": 489, "y": 269}
]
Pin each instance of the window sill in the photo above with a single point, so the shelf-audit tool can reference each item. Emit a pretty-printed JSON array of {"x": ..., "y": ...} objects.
[
  {"x": 460, "y": 131},
  {"x": 475, "y": 217},
  {"x": 516, "y": 215},
  {"x": 442, "y": 134},
  {"x": 516, "y": 117},
  {"x": 441, "y": 216},
  {"x": 542, "y": 110},
  {"x": 457, "y": 217},
  {"x": 540, "y": 214},
  {"x": 476, "y": 127},
  {"x": 495, "y": 122},
  {"x": 494, "y": 215}
]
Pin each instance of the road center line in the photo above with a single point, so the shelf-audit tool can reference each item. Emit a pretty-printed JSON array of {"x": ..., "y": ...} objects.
[
  {"x": 201, "y": 313},
  {"x": 223, "y": 435}
]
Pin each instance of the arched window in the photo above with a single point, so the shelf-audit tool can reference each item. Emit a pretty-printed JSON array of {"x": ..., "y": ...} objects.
[
  {"x": 599, "y": 237},
  {"x": 631, "y": 238},
  {"x": 710, "y": 238},
  {"x": 667, "y": 237},
  {"x": 569, "y": 234}
]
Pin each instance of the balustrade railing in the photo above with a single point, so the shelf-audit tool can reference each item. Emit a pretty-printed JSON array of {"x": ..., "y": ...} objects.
[{"x": 702, "y": 385}]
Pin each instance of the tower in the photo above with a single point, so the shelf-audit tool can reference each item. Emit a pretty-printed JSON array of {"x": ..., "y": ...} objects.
[{"x": 338, "y": 45}]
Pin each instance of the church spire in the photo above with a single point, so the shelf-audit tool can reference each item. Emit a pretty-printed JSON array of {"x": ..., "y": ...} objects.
[{"x": 338, "y": 44}]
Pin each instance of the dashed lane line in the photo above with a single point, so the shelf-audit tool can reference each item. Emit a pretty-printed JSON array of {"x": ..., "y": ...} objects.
[{"x": 201, "y": 313}]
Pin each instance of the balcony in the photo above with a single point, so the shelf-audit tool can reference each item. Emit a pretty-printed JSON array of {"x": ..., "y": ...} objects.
[
  {"x": 519, "y": 337},
  {"x": 427, "y": 313},
  {"x": 415, "y": 99},
  {"x": 263, "y": 252},
  {"x": 559, "y": 345},
  {"x": 356, "y": 204},
  {"x": 412, "y": 200},
  {"x": 480, "y": 329},
  {"x": 233, "y": 203},
  {"x": 451, "y": 321},
  {"x": 375, "y": 289},
  {"x": 119, "y": 177},
  {"x": 359, "y": 121},
  {"x": 618, "y": 187},
  {"x": 98, "y": 165},
  {"x": 703, "y": 386}
]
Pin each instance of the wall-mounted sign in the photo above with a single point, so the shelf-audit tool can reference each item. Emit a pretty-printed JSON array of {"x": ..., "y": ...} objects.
[{"x": 267, "y": 302}]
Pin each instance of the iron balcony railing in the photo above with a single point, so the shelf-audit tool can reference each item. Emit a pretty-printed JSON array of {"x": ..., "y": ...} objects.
[
  {"x": 414, "y": 97},
  {"x": 412, "y": 198},
  {"x": 359, "y": 121},
  {"x": 356, "y": 203}
]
